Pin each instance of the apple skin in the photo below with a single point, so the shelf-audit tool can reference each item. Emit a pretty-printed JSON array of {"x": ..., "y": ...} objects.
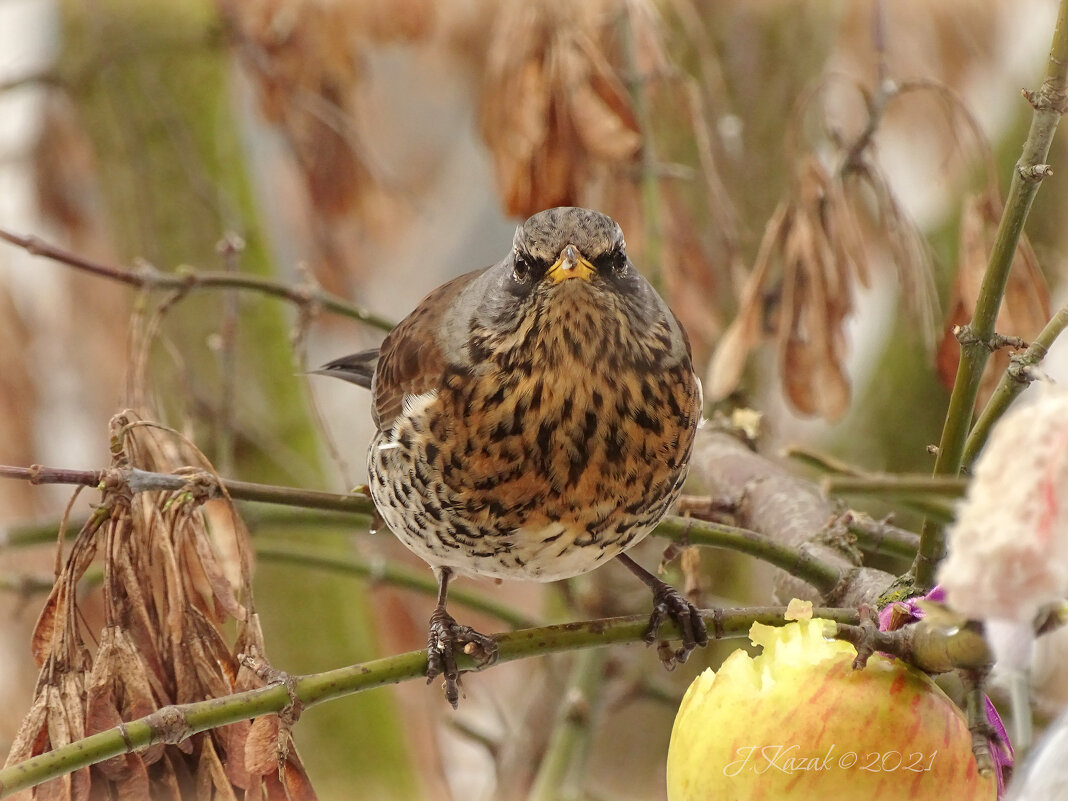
[{"x": 798, "y": 722}]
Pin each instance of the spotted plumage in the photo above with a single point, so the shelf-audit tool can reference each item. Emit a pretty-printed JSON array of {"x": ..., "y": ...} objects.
[{"x": 535, "y": 418}]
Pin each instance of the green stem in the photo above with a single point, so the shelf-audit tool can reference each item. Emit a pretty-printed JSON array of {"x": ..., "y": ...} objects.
[
  {"x": 894, "y": 484},
  {"x": 1049, "y": 104},
  {"x": 794, "y": 561},
  {"x": 176, "y": 723},
  {"x": 825, "y": 463},
  {"x": 881, "y": 537},
  {"x": 562, "y": 769},
  {"x": 208, "y": 483},
  {"x": 1013, "y": 381},
  {"x": 387, "y": 573}
]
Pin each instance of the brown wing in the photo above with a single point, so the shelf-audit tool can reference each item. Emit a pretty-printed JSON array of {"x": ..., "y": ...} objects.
[{"x": 411, "y": 361}]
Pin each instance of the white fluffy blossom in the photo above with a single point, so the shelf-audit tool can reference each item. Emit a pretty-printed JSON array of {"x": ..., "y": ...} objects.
[{"x": 1008, "y": 550}]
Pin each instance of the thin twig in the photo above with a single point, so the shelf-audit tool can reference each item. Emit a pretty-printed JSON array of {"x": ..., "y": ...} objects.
[
  {"x": 894, "y": 484},
  {"x": 1049, "y": 104},
  {"x": 825, "y": 463},
  {"x": 795, "y": 561},
  {"x": 695, "y": 532},
  {"x": 230, "y": 247},
  {"x": 562, "y": 769},
  {"x": 387, "y": 573},
  {"x": 1016, "y": 378},
  {"x": 880, "y": 536},
  {"x": 187, "y": 280},
  {"x": 199, "y": 481},
  {"x": 173, "y": 724}
]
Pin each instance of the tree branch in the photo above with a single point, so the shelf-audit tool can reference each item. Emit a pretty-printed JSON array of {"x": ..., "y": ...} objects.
[
  {"x": 1049, "y": 104},
  {"x": 387, "y": 573},
  {"x": 806, "y": 566},
  {"x": 207, "y": 485},
  {"x": 173, "y": 724},
  {"x": 1016, "y": 378},
  {"x": 879, "y": 484},
  {"x": 187, "y": 280},
  {"x": 797, "y": 562},
  {"x": 789, "y": 510}
]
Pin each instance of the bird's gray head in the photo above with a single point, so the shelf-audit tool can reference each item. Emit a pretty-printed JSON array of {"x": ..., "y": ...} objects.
[{"x": 568, "y": 242}]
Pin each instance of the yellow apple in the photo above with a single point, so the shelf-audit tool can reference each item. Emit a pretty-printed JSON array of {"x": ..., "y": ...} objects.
[{"x": 798, "y": 722}]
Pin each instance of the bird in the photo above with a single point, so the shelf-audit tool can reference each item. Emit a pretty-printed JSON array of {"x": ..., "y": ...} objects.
[{"x": 534, "y": 420}]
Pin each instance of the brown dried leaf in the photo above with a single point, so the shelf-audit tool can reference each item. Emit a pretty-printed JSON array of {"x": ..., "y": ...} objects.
[
  {"x": 551, "y": 104},
  {"x": 166, "y": 785},
  {"x": 59, "y": 735},
  {"x": 691, "y": 281},
  {"x": 306, "y": 66},
  {"x": 230, "y": 743},
  {"x": 296, "y": 783},
  {"x": 52, "y": 618},
  {"x": 212, "y": 779},
  {"x": 102, "y": 714},
  {"x": 746, "y": 330},
  {"x": 261, "y": 746},
  {"x": 198, "y": 587},
  {"x": 32, "y": 737},
  {"x": 815, "y": 244},
  {"x": 135, "y": 784},
  {"x": 140, "y": 627},
  {"x": 1025, "y": 308},
  {"x": 385, "y": 21},
  {"x": 595, "y": 107}
]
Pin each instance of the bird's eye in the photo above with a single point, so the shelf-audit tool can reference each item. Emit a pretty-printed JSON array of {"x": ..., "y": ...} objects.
[
  {"x": 613, "y": 261},
  {"x": 520, "y": 267}
]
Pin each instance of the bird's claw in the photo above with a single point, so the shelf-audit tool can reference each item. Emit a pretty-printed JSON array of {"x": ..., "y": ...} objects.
[
  {"x": 670, "y": 604},
  {"x": 442, "y": 641}
]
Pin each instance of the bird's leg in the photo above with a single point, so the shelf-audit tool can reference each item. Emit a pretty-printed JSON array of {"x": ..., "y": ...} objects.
[
  {"x": 445, "y": 635},
  {"x": 670, "y": 604}
]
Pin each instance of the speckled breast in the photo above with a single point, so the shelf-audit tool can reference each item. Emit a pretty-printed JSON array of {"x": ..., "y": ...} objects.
[{"x": 560, "y": 448}]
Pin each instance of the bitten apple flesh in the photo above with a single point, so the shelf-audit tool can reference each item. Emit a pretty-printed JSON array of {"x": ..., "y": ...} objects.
[{"x": 798, "y": 722}]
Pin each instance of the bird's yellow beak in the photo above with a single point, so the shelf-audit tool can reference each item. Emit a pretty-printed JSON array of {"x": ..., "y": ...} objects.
[{"x": 571, "y": 264}]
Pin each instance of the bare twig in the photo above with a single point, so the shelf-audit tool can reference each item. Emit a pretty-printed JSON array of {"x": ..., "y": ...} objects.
[
  {"x": 187, "y": 280},
  {"x": 197, "y": 481},
  {"x": 1017, "y": 377},
  {"x": 795, "y": 561},
  {"x": 1049, "y": 104},
  {"x": 894, "y": 484},
  {"x": 387, "y": 573}
]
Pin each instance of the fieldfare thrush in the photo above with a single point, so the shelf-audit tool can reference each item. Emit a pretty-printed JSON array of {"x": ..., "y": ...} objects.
[{"x": 534, "y": 420}]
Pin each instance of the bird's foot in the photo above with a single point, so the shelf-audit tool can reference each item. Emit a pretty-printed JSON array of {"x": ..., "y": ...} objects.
[
  {"x": 670, "y": 604},
  {"x": 445, "y": 636}
]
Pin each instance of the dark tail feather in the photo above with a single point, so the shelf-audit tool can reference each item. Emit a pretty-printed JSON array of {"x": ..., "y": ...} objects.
[{"x": 357, "y": 368}]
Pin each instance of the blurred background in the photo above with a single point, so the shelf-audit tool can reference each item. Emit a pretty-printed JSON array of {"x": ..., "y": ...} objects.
[{"x": 812, "y": 185}]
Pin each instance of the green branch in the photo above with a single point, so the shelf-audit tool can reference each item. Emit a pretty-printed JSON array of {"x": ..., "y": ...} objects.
[
  {"x": 824, "y": 463},
  {"x": 203, "y": 484},
  {"x": 881, "y": 537},
  {"x": 795, "y": 561},
  {"x": 874, "y": 484},
  {"x": 186, "y": 280},
  {"x": 387, "y": 573},
  {"x": 1016, "y": 378},
  {"x": 207, "y": 485},
  {"x": 172, "y": 724},
  {"x": 1048, "y": 103},
  {"x": 563, "y": 765}
]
